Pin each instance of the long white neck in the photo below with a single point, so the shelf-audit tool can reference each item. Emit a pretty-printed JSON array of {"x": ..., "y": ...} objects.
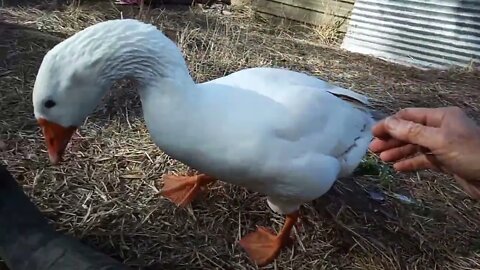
[
  {"x": 166, "y": 88},
  {"x": 119, "y": 49},
  {"x": 158, "y": 67},
  {"x": 148, "y": 57}
]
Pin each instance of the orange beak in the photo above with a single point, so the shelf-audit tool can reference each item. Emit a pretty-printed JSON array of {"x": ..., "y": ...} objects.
[{"x": 56, "y": 138}]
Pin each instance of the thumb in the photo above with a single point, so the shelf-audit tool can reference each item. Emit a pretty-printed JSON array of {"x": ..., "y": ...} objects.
[{"x": 413, "y": 133}]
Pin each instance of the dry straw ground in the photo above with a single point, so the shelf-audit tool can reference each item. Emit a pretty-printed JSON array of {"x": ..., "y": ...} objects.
[{"x": 105, "y": 192}]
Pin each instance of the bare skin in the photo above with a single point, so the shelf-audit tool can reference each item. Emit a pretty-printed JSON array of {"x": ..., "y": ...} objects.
[{"x": 441, "y": 139}]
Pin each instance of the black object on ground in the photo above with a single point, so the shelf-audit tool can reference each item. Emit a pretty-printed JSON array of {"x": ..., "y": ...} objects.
[{"x": 28, "y": 242}]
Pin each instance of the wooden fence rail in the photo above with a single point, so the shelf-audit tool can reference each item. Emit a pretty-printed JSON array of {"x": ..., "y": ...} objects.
[{"x": 314, "y": 12}]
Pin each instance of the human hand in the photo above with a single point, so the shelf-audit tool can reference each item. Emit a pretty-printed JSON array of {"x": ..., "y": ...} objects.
[{"x": 442, "y": 139}]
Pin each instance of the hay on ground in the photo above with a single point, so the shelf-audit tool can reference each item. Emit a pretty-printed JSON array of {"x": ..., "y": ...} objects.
[{"x": 106, "y": 194}]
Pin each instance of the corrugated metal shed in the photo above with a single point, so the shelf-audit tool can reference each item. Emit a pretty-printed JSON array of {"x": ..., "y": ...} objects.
[{"x": 426, "y": 34}]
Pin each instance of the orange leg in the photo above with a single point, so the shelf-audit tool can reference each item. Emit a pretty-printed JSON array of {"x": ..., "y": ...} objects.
[
  {"x": 182, "y": 190},
  {"x": 263, "y": 246}
]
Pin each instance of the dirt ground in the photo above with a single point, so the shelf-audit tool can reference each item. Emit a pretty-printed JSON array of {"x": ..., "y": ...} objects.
[{"x": 106, "y": 194}]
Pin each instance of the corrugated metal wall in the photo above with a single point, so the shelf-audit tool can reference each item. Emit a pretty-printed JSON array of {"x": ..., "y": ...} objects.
[{"x": 428, "y": 33}]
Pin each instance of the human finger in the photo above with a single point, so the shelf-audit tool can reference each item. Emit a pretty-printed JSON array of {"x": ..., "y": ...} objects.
[
  {"x": 380, "y": 131},
  {"x": 379, "y": 145},
  {"x": 420, "y": 162},
  {"x": 426, "y": 116},
  {"x": 414, "y": 133},
  {"x": 394, "y": 154},
  {"x": 432, "y": 117}
]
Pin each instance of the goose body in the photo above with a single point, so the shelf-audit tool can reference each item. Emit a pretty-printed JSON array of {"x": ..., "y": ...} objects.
[
  {"x": 281, "y": 133},
  {"x": 288, "y": 141}
]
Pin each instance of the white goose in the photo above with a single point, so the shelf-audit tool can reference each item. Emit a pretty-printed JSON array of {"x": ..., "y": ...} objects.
[{"x": 281, "y": 133}]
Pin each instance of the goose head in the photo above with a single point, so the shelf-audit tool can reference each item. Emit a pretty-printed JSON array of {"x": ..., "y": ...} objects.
[
  {"x": 62, "y": 99},
  {"x": 76, "y": 73}
]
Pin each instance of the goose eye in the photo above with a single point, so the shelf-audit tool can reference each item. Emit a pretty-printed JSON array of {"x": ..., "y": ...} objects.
[{"x": 49, "y": 104}]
